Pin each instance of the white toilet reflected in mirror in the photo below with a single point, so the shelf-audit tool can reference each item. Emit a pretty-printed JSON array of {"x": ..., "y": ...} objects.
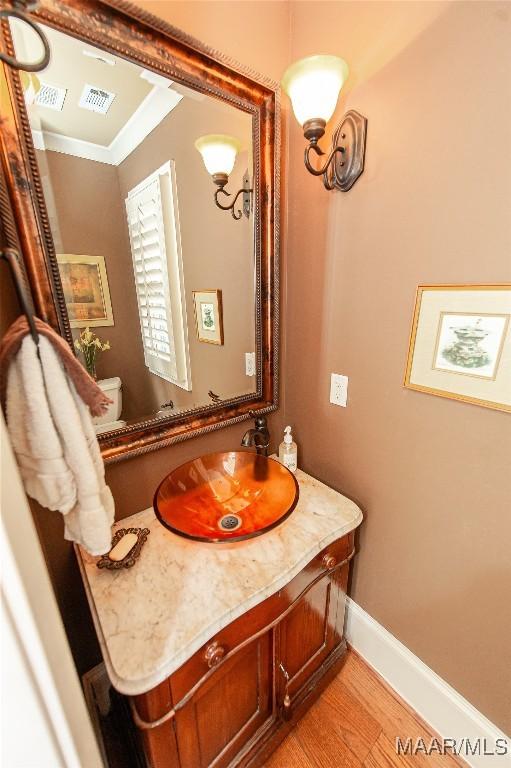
[{"x": 111, "y": 419}]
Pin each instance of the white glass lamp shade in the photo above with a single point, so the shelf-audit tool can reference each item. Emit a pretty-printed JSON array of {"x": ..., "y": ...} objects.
[
  {"x": 313, "y": 85},
  {"x": 218, "y": 152}
]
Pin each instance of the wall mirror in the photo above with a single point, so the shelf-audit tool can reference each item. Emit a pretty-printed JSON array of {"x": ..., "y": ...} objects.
[{"x": 141, "y": 169}]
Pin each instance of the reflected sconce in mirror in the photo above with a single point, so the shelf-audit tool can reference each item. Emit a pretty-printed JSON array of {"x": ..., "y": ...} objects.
[
  {"x": 219, "y": 155},
  {"x": 313, "y": 84}
]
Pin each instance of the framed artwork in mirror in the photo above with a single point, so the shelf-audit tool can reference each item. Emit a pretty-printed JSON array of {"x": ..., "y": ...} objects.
[
  {"x": 460, "y": 344},
  {"x": 70, "y": 157},
  {"x": 85, "y": 285},
  {"x": 208, "y": 316}
]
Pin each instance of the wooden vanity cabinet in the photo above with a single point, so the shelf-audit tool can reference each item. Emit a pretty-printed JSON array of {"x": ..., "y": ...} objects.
[{"x": 236, "y": 698}]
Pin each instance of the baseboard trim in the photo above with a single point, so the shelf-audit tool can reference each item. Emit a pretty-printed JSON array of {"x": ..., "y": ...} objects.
[{"x": 443, "y": 708}]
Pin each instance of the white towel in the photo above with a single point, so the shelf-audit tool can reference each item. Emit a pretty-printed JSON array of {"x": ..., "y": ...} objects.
[{"x": 56, "y": 447}]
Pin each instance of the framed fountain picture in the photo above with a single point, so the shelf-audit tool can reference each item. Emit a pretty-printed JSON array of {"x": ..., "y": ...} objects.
[
  {"x": 208, "y": 316},
  {"x": 460, "y": 344},
  {"x": 86, "y": 291}
]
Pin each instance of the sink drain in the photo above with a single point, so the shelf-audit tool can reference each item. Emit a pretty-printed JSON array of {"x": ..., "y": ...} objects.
[{"x": 229, "y": 522}]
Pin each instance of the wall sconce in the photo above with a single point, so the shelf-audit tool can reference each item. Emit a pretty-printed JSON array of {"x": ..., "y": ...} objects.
[
  {"x": 219, "y": 155},
  {"x": 313, "y": 85}
]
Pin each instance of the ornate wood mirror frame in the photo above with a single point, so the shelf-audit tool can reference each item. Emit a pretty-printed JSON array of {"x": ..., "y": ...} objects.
[{"x": 123, "y": 29}]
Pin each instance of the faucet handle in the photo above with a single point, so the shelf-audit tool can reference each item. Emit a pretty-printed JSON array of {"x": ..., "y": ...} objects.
[{"x": 259, "y": 419}]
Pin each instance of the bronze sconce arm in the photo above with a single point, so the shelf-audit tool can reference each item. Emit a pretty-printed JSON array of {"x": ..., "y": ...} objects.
[
  {"x": 221, "y": 180},
  {"x": 319, "y": 151},
  {"x": 345, "y": 162},
  {"x": 235, "y": 214}
]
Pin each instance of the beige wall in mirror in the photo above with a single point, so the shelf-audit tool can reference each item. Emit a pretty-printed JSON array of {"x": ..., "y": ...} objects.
[{"x": 92, "y": 161}]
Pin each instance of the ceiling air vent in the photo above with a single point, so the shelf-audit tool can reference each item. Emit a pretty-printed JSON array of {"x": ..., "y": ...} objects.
[
  {"x": 96, "y": 99},
  {"x": 51, "y": 96}
]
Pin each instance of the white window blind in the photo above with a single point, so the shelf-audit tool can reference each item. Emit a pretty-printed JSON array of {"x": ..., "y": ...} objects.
[{"x": 149, "y": 222}]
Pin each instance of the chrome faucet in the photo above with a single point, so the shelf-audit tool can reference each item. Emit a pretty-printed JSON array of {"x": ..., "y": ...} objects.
[{"x": 259, "y": 437}]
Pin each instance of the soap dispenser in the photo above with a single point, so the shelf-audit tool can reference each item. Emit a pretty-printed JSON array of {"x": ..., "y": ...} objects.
[{"x": 288, "y": 451}]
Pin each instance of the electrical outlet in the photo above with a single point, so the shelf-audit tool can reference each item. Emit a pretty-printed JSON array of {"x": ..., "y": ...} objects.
[
  {"x": 339, "y": 389},
  {"x": 250, "y": 363}
]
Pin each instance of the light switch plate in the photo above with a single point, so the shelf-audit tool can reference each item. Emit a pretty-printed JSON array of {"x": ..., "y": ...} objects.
[
  {"x": 250, "y": 363},
  {"x": 339, "y": 389}
]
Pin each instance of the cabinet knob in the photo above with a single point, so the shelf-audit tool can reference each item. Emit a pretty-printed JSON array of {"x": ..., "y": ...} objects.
[
  {"x": 214, "y": 654},
  {"x": 329, "y": 561}
]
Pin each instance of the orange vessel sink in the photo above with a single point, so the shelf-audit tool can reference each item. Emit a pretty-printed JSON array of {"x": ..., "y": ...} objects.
[{"x": 226, "y": 497}]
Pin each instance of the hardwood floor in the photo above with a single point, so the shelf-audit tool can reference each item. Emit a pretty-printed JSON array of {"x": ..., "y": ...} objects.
[{"x": 355, "y": 723}]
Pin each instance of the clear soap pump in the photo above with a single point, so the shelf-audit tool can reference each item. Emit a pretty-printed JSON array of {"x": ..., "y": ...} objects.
[{"x": 288, "y": 451}]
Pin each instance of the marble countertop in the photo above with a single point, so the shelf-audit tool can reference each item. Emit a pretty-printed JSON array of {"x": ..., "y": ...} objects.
[{"x": 152, "y": 618}]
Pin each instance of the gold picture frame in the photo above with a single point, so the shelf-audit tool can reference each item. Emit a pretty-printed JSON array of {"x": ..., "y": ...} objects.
[
  {"x": 460, "y": 344},
  {"x": 86, "y": 290},
  {"x": 208, "y": 311}
]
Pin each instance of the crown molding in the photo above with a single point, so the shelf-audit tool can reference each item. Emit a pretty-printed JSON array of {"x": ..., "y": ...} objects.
[{"x": 158, "y": 103}]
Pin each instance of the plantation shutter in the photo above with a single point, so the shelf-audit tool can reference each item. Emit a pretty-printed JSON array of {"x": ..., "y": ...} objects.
[{"x": 147, "y": 237}]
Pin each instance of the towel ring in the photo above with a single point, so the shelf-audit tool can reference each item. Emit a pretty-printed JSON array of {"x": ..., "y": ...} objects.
[
  {"x": 11, "y": 256},
  {"x": 19, "y": 11}
]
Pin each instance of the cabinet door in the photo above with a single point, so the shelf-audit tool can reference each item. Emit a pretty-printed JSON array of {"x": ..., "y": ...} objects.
[
  {"x": 229, "y": 708},
  {"x": 311, "y": 631}
]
